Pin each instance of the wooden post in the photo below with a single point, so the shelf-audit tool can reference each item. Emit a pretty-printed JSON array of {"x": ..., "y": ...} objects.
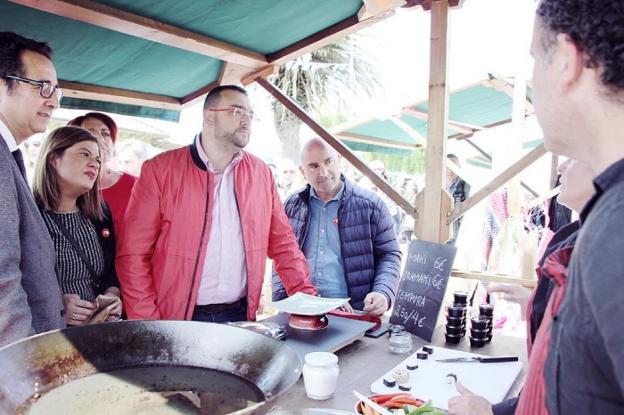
[{"x": 435, "y": 178}]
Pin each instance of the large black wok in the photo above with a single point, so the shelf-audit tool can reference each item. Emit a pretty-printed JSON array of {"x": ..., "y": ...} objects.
[{"x": 62, "y": 371}]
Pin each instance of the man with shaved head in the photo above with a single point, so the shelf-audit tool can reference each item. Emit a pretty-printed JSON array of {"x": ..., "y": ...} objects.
[{"x": 345, "y": 232}]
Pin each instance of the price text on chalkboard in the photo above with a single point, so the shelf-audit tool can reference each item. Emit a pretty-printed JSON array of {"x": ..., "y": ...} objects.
[{"x": 422, "y": 287}]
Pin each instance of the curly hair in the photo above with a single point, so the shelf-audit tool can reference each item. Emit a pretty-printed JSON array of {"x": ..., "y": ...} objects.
[{"x": 596, "y": 27}]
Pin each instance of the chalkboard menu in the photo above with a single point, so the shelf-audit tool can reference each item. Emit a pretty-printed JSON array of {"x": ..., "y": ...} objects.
[{"x": 422, "y": 287}]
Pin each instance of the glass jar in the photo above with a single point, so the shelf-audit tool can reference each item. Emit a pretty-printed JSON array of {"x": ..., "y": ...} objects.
[
  {"x": 320, "y": 374},
  {"x": 400, "y": 340}
]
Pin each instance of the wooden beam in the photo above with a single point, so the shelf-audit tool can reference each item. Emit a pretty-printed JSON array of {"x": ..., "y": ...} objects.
[
  {"x": 373, "y": 8},
  {"x": 489, "y": 158},
  {"x": 435, "y": 176},
  {"x": 121, "y": 96},
  {"x": 326, "y": 36},
  {"x": 110, "y": 18},
  {"x": 460, "y": 136},
  {"x": 232, "y": 73},
  {"x": 358, "y": 138},
  {"x": 340, "y": 147},
  {"x": 541, "y": 199},
  {"x": 196, "y": 96},
  {"x": 261, "y": 73},
  {"x": 511, "y": 172},
  {"x": 457, "y": 126},
  {"x": 426, "y": 4},
  {"x": 489, "y": 277},
  {"x": 409, "y": 130}
]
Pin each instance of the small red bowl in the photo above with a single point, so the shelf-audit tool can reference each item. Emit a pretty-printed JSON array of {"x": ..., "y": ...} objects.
[{"x": 312, "y": 323}]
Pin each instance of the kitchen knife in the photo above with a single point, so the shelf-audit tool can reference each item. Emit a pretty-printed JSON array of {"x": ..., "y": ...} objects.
[{"x": 480, "y": 359}]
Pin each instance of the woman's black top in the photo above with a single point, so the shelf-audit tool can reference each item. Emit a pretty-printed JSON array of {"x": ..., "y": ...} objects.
[{"x": 97, "y": 241}]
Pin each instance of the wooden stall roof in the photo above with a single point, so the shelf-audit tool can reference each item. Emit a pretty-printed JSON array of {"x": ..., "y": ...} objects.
[
  {"x": 471, "y": 109},
  {"x": 150, "y": 58}
]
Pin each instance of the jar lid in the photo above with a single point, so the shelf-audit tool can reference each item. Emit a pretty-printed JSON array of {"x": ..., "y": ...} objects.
[{"x": 321, "y": 359}]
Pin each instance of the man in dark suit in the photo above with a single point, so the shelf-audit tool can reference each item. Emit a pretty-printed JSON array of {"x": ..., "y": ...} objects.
[{"x": 30, "y": 298}]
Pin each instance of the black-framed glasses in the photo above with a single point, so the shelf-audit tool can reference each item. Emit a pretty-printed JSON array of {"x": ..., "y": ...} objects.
[{"x": 46, "y": 89}]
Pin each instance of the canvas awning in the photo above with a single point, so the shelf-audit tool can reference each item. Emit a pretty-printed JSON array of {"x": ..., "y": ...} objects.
[
  {"x": 151, "y": 58},
  {"x": 471, "y": 109}
]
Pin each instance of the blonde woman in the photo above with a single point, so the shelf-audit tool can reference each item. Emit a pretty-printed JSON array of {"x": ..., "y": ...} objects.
[{"x": 66, "y": 191}]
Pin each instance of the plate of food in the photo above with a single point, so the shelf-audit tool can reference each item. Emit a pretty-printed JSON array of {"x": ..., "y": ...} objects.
[
  {"x": 396, "y": 404},
  {"x": 308, "y": 305}
]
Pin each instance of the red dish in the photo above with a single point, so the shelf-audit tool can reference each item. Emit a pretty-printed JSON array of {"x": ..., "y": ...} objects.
[{"x": 313, "y": 323}]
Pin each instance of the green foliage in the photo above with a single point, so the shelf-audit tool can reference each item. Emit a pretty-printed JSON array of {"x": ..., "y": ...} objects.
[{"x": 323, "y": 83}]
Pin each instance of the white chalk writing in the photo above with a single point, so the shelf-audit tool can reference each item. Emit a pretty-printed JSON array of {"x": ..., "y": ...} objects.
[
  {"x": 416, "y": 299},
  {"x": 439, "y": 263},
  {"x": 418, "y": 258},
  {"x": 413, "y": 316}
]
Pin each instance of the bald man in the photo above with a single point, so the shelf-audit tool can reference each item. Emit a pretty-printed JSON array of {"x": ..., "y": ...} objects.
[{"x": 345, "y": 232}]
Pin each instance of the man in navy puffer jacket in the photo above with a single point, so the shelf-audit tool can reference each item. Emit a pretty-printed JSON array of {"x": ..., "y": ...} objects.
[{"x": 345, "y": 232}]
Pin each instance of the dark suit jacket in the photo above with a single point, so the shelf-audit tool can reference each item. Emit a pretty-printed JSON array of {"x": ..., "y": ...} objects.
[{"x": 30, "y": 298}]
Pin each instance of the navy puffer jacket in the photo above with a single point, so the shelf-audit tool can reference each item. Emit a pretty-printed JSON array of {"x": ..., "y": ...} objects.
[{"x": 370, "y": 252}]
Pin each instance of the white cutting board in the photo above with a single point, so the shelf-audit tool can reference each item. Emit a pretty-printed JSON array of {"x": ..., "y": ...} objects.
[{"x": 429, "y": 382}]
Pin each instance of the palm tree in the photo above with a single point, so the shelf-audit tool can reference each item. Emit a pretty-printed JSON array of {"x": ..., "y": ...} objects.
[{"x": 323, "y": 82}]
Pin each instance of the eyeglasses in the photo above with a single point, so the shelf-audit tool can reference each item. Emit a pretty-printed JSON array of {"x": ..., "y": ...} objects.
[
  {"x": 237, "y": 112},
  {"x": 46, "y": 90}
]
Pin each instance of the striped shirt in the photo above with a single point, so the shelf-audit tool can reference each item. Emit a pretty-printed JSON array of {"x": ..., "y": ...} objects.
[{"x": 72, "y": 273}]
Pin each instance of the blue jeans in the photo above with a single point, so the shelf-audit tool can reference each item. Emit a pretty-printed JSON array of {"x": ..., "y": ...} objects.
[{"x": 235, "y": 314}]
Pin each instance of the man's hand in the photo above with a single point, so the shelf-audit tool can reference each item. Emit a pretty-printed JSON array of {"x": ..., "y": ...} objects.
[
  {"x": 375, "y": 303},
  {"x": 511, "y": 292},
  {"x": 467, "y": 403}
]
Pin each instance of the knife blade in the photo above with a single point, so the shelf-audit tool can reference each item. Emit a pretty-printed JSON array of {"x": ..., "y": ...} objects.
[{"x": 500, "y": 359}]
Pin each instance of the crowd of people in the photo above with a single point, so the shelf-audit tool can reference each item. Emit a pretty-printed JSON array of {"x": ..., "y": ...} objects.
[{"x": 188, "y": 237}]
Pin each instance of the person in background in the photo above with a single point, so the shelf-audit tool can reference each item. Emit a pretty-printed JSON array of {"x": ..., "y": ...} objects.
[
  {"x": 201, "y": 222},
  {"x": 32, "y": 147},
  {"x": 576, "y": 190},
  {"x": 130, "y": 156},
  {"x": 30, "y": 298},
  {"x": 345, "y": 232},
  {"x": 458, "y": 189},
  {"x": 410, "y": 191},
  {"x": 116, "y": 187},
  {"x": 286, "y": 175},
  {"x": 66, "y": 191}
]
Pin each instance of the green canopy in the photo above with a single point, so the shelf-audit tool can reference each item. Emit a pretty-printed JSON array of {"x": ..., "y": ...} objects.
[
  {"x": 470, "y": 109},
  {"x": 149, "y": 58}
]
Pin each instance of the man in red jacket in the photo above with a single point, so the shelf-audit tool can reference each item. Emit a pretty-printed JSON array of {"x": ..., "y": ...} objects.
[{"x": 200, "y": 223}]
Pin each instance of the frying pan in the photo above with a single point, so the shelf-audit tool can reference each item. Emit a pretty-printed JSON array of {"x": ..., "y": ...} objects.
[{"x": 120, "y": 366}]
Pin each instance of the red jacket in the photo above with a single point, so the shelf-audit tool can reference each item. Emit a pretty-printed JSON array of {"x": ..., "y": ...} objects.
[{"x": 163, "y": 240}]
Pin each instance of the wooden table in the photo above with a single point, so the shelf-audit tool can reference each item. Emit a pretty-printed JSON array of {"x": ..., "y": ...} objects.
[{"x": 362, "y": 362}]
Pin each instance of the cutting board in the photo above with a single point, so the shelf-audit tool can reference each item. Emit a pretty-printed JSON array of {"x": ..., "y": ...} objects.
[
  {"x": 339, "y": 333},
  {"x": 429, "y": 381}
]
